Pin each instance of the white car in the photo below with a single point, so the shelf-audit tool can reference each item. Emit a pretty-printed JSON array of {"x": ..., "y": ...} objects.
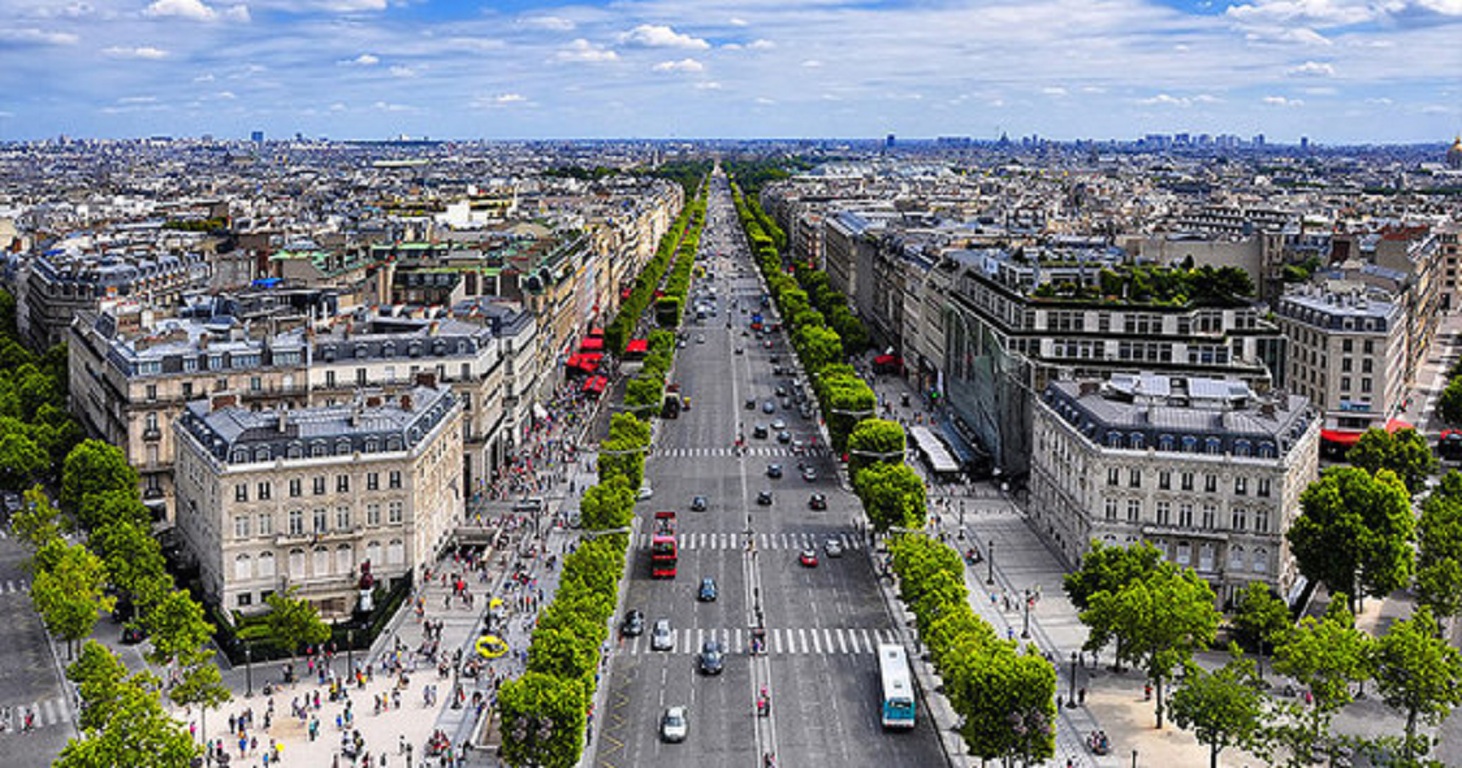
[
  {"x": 644, "y": 492},
  {"x": 674, "y": 725}
]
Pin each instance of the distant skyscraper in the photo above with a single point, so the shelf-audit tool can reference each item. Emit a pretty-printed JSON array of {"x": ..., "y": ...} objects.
[
  {"x": 257, "y": 137},
  {"x": 1258, "y": 139},
  {"x": 1304, "y": 142},
  {"x": 888, "y": 142}
]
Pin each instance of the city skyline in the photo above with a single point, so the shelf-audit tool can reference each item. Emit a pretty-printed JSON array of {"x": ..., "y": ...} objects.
[{"x": 1331, "y": 70}]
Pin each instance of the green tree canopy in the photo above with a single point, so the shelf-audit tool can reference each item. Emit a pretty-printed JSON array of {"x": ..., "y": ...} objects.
[
  {"x": 38, "y": 522},
  {"x": 1439, "y": 552},
  {"x": 1261, "y": 618},
  {"x": 294, "y": 621},
  {"x": 607, "y": 505},
  {"x": 1326, "y": 656},
  {"x": 1223, "y": 708},
  {"x": 1449, "y": 404},
  {"x": 70, "y": 591},
  {"x": 134, "y": 561},
  {"x": 893, "y": 496},
  {"x": 1109, "y": 568},
  {"x": 873, "y": 441},
  {"x": 1355, "y": 532},
  {"x": 1418, "y": 673},
  {"x": 94, "y": 467},
  {"x": 22, "y": 462},
  {"x": 1404, "y": 452},
  {"x": 543, "y": 720}
]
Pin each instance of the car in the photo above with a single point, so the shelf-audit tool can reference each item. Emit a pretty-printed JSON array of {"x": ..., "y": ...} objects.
[
  {"x": 805, "y": 412},
  {"x": 768, "y": 344},
  {"x": 750, "y": 403},
  {"x": 707, "y": 591},
  {"x": 132, "y": 635},
  {"x": 799, "y": 445},
  {"x": 769, "y": 407},
  {"x": 778, "y": 370},
  {"x": 809, "y": 473},
  {"x": 774, "y": 471},
  {"x": 759, "y": 430},
  {"x": 713, "y": 658},
  {"x": 674, "y": 725},
  {"x": 644, "y": 492},
  {"x": 633, "y": 624},
  {"x": 774, "y": 360},
  {"x": 808, "y": 558},
  {"x": 781, "y": 391},
  {"x": 817, "y": 501},
  {"x": 680, "y": 344},
  {"x": 740, "y": 351},
  {"x": 833, "y": 547},
  {"x": 764, "y": 498},
  {"x": 698, "y": 504},
  {"x": 784, "y": 437},
  {"x": 779, "y": 424},
  {"x": 661, "y": 638}
]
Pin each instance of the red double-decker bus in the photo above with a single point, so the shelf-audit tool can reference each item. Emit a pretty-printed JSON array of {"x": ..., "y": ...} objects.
[{"x": 664, "y": 549}]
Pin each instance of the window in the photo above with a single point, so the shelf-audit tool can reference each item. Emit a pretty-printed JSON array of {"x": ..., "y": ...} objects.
[
  {"x": 1345, "y": 365},
  {"x": 1240, "y": 519},
  {"x": 322, "y": 521},
  {"x": 1261, "y": 520},
  {"x": 151, "y": 392},
  {"x": 241, "y": 492},
  {"x": 1369, "y": 347},
  {"x": 255, "y": 384},
  {"x": 245, "y": 599},
  {"x": 1111, "y": 510},
  {"x": 220, "y": 384},
  {"x": 395, "y": 552},
  {"x": 1344, "y": 383},
  {"x": 266, "y": 524},
  {"x": 394, "y": 479},
  {"x": 243, "y": 568},
  {"x": 1261, "y": 555},
  {"x": 187, "y": 390},
  {"x": 295, "y": 487},
  {"x": 1236, "y": 558},
  {"x": 265, "y": 490},
  {"x": 360, "y": 377},
  {"x": 344, "y": 559},
  {"x": 373, "y": 514},
  {"x": 1187, "y": 481},
  {"x": 373, "y": 481},
  {"x": 1210, "y": 483},
  {"x": 1210, "y": 516},
  {"x": 393, "y": 512},
  {"x": 241, "y": 526},
  {"x": 1185, "y": 553},
  {"x": 342, "y": 518},
  {"x": 1165, "y": 480},
  {"x": 1164, "y": 513},
  {"x": 1114, "y": 476},
  {"x": 296, "y": 563},
  {"x": 1365, "y": 384},
  {"x": 266, "y": 565},
  {"x": 296, "y": 522},
  {"x": 329, "y": 379},
  {"x": 1365, "y": 365},
  {"x": 1241, "y": 486},
  {"x": 1134, "y": 478},
  {"x": 342, "y": 483},
  {"x": 151, "y": 422},
  {"x": 1347, "y": 346},
  {"x": 1134, "y": 510},
  {"x": 1185, "y": 515},
  {"x": 319, "y": 486}
]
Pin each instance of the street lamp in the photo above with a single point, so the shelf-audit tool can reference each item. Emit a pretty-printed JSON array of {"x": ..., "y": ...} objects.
[
  {"x": 350, "y": 650},
  {"x": 1025, "y": 631},
  {"x": 1134, "y": 758},
  {"x": 990, "y": 558},
  {"x": 249, "y": 669},
  {"x": 1072, "y": 703}
]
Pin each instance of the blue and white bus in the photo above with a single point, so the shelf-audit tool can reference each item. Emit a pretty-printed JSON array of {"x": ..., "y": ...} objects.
[{"x": 898, "y": 686}]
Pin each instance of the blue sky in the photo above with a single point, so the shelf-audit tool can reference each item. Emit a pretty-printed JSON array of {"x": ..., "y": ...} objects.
[{"x": 1338, "y": 71}]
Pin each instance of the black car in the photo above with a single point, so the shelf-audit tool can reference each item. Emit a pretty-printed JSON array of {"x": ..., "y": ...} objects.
[
  {"x": 774, "y": 471},
  {"x": 817, "y": 501},
  {"x": 713, "y": 658},
  {"x": 750, "y": 403},
  {"x": 781, "y": 391},
  {"x": 764, "y": 498},
  {"x": 760, "y": 430},
  {"x": 634, "y": 624},
  {"x": 698, "y": 504},
  {"x": 707, "y": 591},
  {"x": 784, "y": 437},
  {"x": 769, "y": 407}
]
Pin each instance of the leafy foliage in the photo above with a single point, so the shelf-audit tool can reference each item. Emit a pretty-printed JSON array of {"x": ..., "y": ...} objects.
[
  {"x": 1439, "y": 550},
  {"x": 875, "y": 441},
  {"x": 1355, "y": 532},
  {"x": 70, "y": 590},
  {"x": 1223, "y": 708},
  {"x": 1404, "y": 452},
  {"x": 293, "y": 621},
  {"x": 893, "y": 496},
  {"x": 94, "y": 467},
  {"x": 1419, "y": 674}
]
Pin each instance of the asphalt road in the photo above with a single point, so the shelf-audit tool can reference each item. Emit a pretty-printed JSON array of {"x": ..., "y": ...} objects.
[
  {"x": 822, "y": 622},
  {"x": 27, "y": 671}
]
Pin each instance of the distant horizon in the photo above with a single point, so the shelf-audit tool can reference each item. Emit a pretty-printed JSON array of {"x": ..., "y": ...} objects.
[{"x": 1343, "y": 72}]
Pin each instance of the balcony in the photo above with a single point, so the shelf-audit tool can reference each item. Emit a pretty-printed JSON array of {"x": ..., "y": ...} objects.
[{"x": 152, "y": 433}]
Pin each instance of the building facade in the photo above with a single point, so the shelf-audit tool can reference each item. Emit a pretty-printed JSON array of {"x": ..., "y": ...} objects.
[
  {"x": 1203, "y": 469},
  {"x": 271, "y": 501}
]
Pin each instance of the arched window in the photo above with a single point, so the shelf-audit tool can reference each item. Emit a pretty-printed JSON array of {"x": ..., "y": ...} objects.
[
  {"x": 266, "y": 565},
  {"x": 243, "y": 568},
  {"x": 1236, "y": 557},
  {"x": 393, "y": 443},
  {"x": 344, "y": 559},
  {"x": 1114, "y": 439},
  {"x": 261, "y": 453},
  {"x": 1261, "y": 560},
  {"x": 1214, "y": 445},
  {"x": 321, "y": 564},
  {"x": 1266, "y": 450},
  {"x": 1190, "y": 444},
  {"x": 372, "y": 445},
  {"x": 295, "y": 451},
  {"x": 296, "y": 563},
  {"x": 240, "y": 456},
  {"x": 373, "y": 552},
  {"x": 1165, "y": 442},
  {"x": 342, "y": 447},
  {"x": 1137, "y": 441},
  {"x": 318, "y": 448},
  {"x": 1242, "y": 447},
  {"x": 395, "y": 552}
]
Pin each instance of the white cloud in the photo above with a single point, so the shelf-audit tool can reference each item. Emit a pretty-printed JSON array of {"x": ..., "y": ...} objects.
[
  {"x": 708, "y": 85},
  {"x": 1169, "y": 100},
  {"x": 403, "y": 71},
  {"x": 1054, "y": 90},
  {"x": 583, "y": 50},
  {"x": 1337, "y": 13},
  {"x": 1311, "y": 69},
  {"x": 765, "y": 101},
  {"x": 194, "y": 10},
  {"x": 137, "y": 100},
  {"x": 661, "y": 36},
  {"x": 812, "y": 63},
  {"x": 761, "y": 45},
  {"x": 338, "y": 106},
  {"x": 386, "y": 106},
  {"x": 509, "y": 98},
  {"x": 226, "y": 95},
  {"x": 550, "y": 23},
  {"x": 684, "y": 65},
  {"x": 363, "y": 60},
  {"x": 206, "y": 77},
  {"x": 37, "y": 37},
  {"x": 140, "y": 52},
  {"x": 1301, "y": 35},
  {"x": 1281, "y": 101},
  {"x": 737, "y": 22}
]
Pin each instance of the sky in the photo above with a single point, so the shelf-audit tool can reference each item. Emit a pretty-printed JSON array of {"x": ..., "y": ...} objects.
[{"x": 1336, "y": 71}]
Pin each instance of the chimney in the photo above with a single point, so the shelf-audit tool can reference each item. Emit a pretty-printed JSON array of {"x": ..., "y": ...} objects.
[
  {"x": 373, "y": 401},
  {"x": 1266, "y": 410},
  {"x": 224, "y": 401},
  {"x": 1089, "y": 388},
  {"x": 426, "y": 379},
  {"x": 283, "y": 421},
  {"x": 203, "y": 341},
  {"x": 406, "y": 403}
]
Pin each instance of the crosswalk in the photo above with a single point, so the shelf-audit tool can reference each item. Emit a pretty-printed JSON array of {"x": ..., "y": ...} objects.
[
  {"x": 46, "y": 714},
  {"x": 794, "y": 541},
  {"x": 768, "y": 451},
  {"x": 822, "y": 641}
]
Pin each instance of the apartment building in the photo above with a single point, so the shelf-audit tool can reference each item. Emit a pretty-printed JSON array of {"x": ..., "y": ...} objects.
[
  {"x": 302, "y": 499},
  {"x": 1204, "y": 469}
]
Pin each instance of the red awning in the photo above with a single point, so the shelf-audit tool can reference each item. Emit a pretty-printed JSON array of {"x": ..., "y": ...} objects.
[
  {"x": 588, "y": 362},
  {"x": 1340, "y": 437},
  {"x": 638, "y": 346},
  {"x": 1396, "y": 425},
  {"x": 591, "y": 344},
  {"x": 887, "y": 360},
  {"x": 596, "y": 333},
  {"x": 595, "y": 385}
]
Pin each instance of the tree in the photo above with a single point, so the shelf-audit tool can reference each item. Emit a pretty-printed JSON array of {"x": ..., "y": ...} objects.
[
  {"x": 622, "y": 458},
  {"x": 1449, "y": 404},
  {"x": 873, "y": 441},
  {"x": 818, "y": 346},
  {"x": 607, "y": 505},
  {"x": 134, "y": 562},
  {"x": 1006, "y": 702},
  {"x": 99, "y": 675},
  {"x": 1404, "y": 452},
  {"x": 38, "y": 522},
  {"x": 1326, "y": 656},
  {"x": 70, "y": 591},
  {"x": 1354, "y": 532},
  {"x": 294, "y": 621},
  {"x": 94, "y": 467},
  {"x": 543, "y": 720},
  {"x": 1439, "y": 553},
  {"x": 1419, "y": 674},
  {"x": 21, "y": 461},
  {"x": 1223, "y": 708},
  {"x": 1108, "y": 569},
  {"x": 1261, "y": 618},
  {"x": 893, "y": 496},
  {"x": 119, "y": 504},
  {"x": 139, "y": 732},
  {"x": 1159, "y": 620}
]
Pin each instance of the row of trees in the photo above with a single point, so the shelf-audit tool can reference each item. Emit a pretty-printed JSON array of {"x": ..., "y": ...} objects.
[
  {"x": 1005, "y": 697},
  {"x": 633, "y": 307},
  {"x": 36, "y": 431}
]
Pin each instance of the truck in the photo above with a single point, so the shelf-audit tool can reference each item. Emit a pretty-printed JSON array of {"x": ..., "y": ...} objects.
[
  {"x": 756, "y": 321},
  {"x": 664, "y": 548}
]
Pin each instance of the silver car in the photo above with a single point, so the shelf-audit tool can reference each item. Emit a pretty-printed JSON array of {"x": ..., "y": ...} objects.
[
  {"x": 674, "y": 725},
  {"x": 661, "y": 637}
]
